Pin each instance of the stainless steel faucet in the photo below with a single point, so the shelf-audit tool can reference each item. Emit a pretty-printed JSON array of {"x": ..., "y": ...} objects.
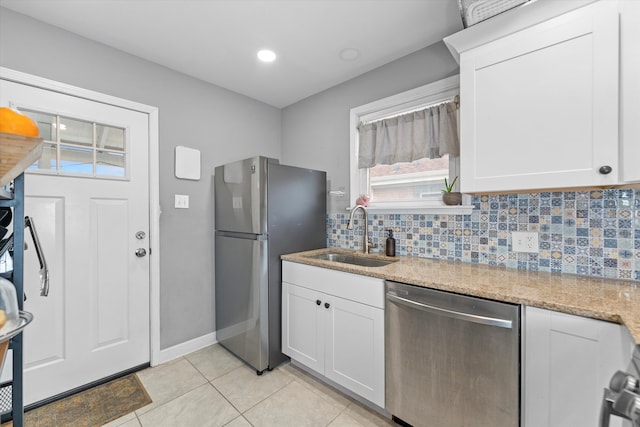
[{"x": 365, "y": 239}]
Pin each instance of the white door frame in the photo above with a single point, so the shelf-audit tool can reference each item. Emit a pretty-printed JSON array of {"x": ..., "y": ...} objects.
[{"x": 154, "y": 184}]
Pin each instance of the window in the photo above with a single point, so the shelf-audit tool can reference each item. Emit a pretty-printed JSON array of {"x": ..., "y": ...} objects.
[
  {"x": 419, "y": 180},
  {"x": 414, "y": 185},
  {"x": 79, "y": 147}
]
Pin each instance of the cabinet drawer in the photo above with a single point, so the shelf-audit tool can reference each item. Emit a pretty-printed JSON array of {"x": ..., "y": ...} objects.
[{"x": 354, "y": 287}]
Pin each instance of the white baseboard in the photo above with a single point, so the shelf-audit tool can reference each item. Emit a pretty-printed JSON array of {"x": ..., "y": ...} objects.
[{"x": 184, "y": 348}]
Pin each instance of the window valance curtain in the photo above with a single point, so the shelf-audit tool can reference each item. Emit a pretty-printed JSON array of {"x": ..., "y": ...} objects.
[{"x": 431, "y": 133}]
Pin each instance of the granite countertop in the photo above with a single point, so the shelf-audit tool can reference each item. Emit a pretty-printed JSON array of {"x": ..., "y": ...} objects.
[{"x": 606, "y": 299}]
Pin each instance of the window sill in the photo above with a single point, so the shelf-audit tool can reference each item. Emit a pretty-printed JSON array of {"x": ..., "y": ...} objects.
[{"x": 441, "y": 209}]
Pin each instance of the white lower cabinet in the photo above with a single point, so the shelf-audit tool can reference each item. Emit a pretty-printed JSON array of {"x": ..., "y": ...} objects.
[
  {"x": 333, "y": 323},
  {"x": 567, "y": 362}
]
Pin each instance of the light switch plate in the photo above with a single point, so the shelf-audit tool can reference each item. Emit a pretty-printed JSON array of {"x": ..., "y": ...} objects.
[
  {"x": 182, "y": 201},
  {"x": 524, "y": 241}
]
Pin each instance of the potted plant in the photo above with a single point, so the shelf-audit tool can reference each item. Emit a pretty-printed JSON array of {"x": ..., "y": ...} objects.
[{"x": 450, "y": 197}]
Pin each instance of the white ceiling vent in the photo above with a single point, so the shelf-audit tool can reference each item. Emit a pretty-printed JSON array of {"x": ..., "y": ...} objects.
[{"x": 474, "y": 11}]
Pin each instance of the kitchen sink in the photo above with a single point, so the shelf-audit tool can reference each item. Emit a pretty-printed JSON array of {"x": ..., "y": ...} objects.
[{"x": 352, "y": 259}]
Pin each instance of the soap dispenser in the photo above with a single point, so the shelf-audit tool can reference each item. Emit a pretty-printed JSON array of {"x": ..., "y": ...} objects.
[{"x": 391, "y": 244}]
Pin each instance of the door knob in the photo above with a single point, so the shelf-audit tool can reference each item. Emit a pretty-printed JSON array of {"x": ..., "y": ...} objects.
[
  {"x": 327, "y": 305},
  {"x": 140, "y": 235},
  {"x": 318, "y": 302},
  {"x": 140, "y": 252}
]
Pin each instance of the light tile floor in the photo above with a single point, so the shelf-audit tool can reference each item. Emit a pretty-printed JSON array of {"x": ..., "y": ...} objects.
[{"x": 211, "y": 387}]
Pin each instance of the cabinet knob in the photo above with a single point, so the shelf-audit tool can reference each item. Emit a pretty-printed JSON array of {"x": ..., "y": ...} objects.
[
  {"x": 327, "y": 305},
  {"x": 318, "y": 302},
  {"x": 605, "y": 170}
]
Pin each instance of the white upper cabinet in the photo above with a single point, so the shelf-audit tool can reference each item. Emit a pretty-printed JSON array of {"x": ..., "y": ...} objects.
[
  {"x": 630, "y": 89},
  {"x": 540, "y": 104}
]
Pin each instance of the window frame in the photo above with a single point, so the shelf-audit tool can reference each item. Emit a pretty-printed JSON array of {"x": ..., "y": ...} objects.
[{"x": 432, "y": 93}]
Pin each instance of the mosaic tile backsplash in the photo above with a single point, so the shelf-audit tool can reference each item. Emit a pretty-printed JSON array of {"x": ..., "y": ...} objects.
[{"x": 594, "y": 233}]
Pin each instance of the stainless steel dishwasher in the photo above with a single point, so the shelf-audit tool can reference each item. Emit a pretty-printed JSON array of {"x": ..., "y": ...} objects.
[{"x": 451, "y": 360}]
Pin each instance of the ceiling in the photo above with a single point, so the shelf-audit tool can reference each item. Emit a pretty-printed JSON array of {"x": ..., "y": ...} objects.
[{"x": 217, "y": 40}]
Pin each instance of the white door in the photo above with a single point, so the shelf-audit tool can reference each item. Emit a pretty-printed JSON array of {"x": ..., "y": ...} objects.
[{"x": 95, "y": 321}]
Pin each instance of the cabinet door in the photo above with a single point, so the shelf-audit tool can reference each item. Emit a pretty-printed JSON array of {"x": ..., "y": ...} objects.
[
  {"x": 630, "y": 88},
  {"x": 302, "y": 326},
  {"x": 540, "y": 106},
  {"x": 355, "y": 348},
  {"x": 568, "y": 361}
]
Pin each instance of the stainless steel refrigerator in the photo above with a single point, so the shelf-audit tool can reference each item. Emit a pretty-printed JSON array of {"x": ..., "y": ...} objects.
[{"x": 262, "y": 210}]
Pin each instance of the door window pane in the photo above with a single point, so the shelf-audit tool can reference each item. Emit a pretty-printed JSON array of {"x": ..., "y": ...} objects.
[
  {"x": 109, "y": 163},
  {"x": 76, "y": 160},
  {"x": 109, "y": 137},
  {"x": 46, "y": 124},
  {"x": 76, "y": 131},
  {"x": 48, "y": 160}
]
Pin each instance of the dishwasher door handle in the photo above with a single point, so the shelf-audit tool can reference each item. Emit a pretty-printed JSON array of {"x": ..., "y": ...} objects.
[{"x": 483, "y": 320}]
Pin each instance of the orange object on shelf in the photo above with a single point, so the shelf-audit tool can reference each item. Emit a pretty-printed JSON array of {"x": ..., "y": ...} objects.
[{"x": 12, "y": 121}]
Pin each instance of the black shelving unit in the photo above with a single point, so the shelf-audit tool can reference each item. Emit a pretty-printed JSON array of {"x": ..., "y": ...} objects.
[{"x": 15, "y": 200}]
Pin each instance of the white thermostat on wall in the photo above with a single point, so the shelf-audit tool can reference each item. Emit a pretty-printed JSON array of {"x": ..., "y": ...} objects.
[{"x": 187, "y": 163}]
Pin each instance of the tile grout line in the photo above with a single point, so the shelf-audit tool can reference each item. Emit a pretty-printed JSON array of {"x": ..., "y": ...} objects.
[
  {"x": 176, "y": 397},
  {"x": 257, "y": 403},
  {"x": 210, "y": 382}
]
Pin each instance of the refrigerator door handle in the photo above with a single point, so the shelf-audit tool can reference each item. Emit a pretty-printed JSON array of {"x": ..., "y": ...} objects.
[{"x": 237, "y": 235}]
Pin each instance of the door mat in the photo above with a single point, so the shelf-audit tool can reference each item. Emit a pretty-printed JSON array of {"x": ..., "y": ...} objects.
[{"x": 94, "y": 407}]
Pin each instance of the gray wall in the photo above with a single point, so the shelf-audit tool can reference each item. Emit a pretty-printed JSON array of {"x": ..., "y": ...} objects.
[
  {"x": 315, "y": 131},
  {"x": 191, "y": 113},
  {"x": 312, "y": 133}
]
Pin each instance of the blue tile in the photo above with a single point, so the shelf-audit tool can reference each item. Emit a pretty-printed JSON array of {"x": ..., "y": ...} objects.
[
  {"x": 595, "y": 223},
  {"x": 610, "y": 243},
  {"x": 624, "y": 223},
  {"x": 582, "y": 269},
  {"x": 581, "y": 231}
]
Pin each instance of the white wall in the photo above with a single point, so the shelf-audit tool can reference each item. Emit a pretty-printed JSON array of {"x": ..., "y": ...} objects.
[
  {"x": 315, "y": 131},
  {"x": 191, "y": 113}
]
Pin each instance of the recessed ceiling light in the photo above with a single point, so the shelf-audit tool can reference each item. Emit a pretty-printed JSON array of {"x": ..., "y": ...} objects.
[
  {"x": 266, "y": 55},
  {"x": 349, "y": 54}
]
